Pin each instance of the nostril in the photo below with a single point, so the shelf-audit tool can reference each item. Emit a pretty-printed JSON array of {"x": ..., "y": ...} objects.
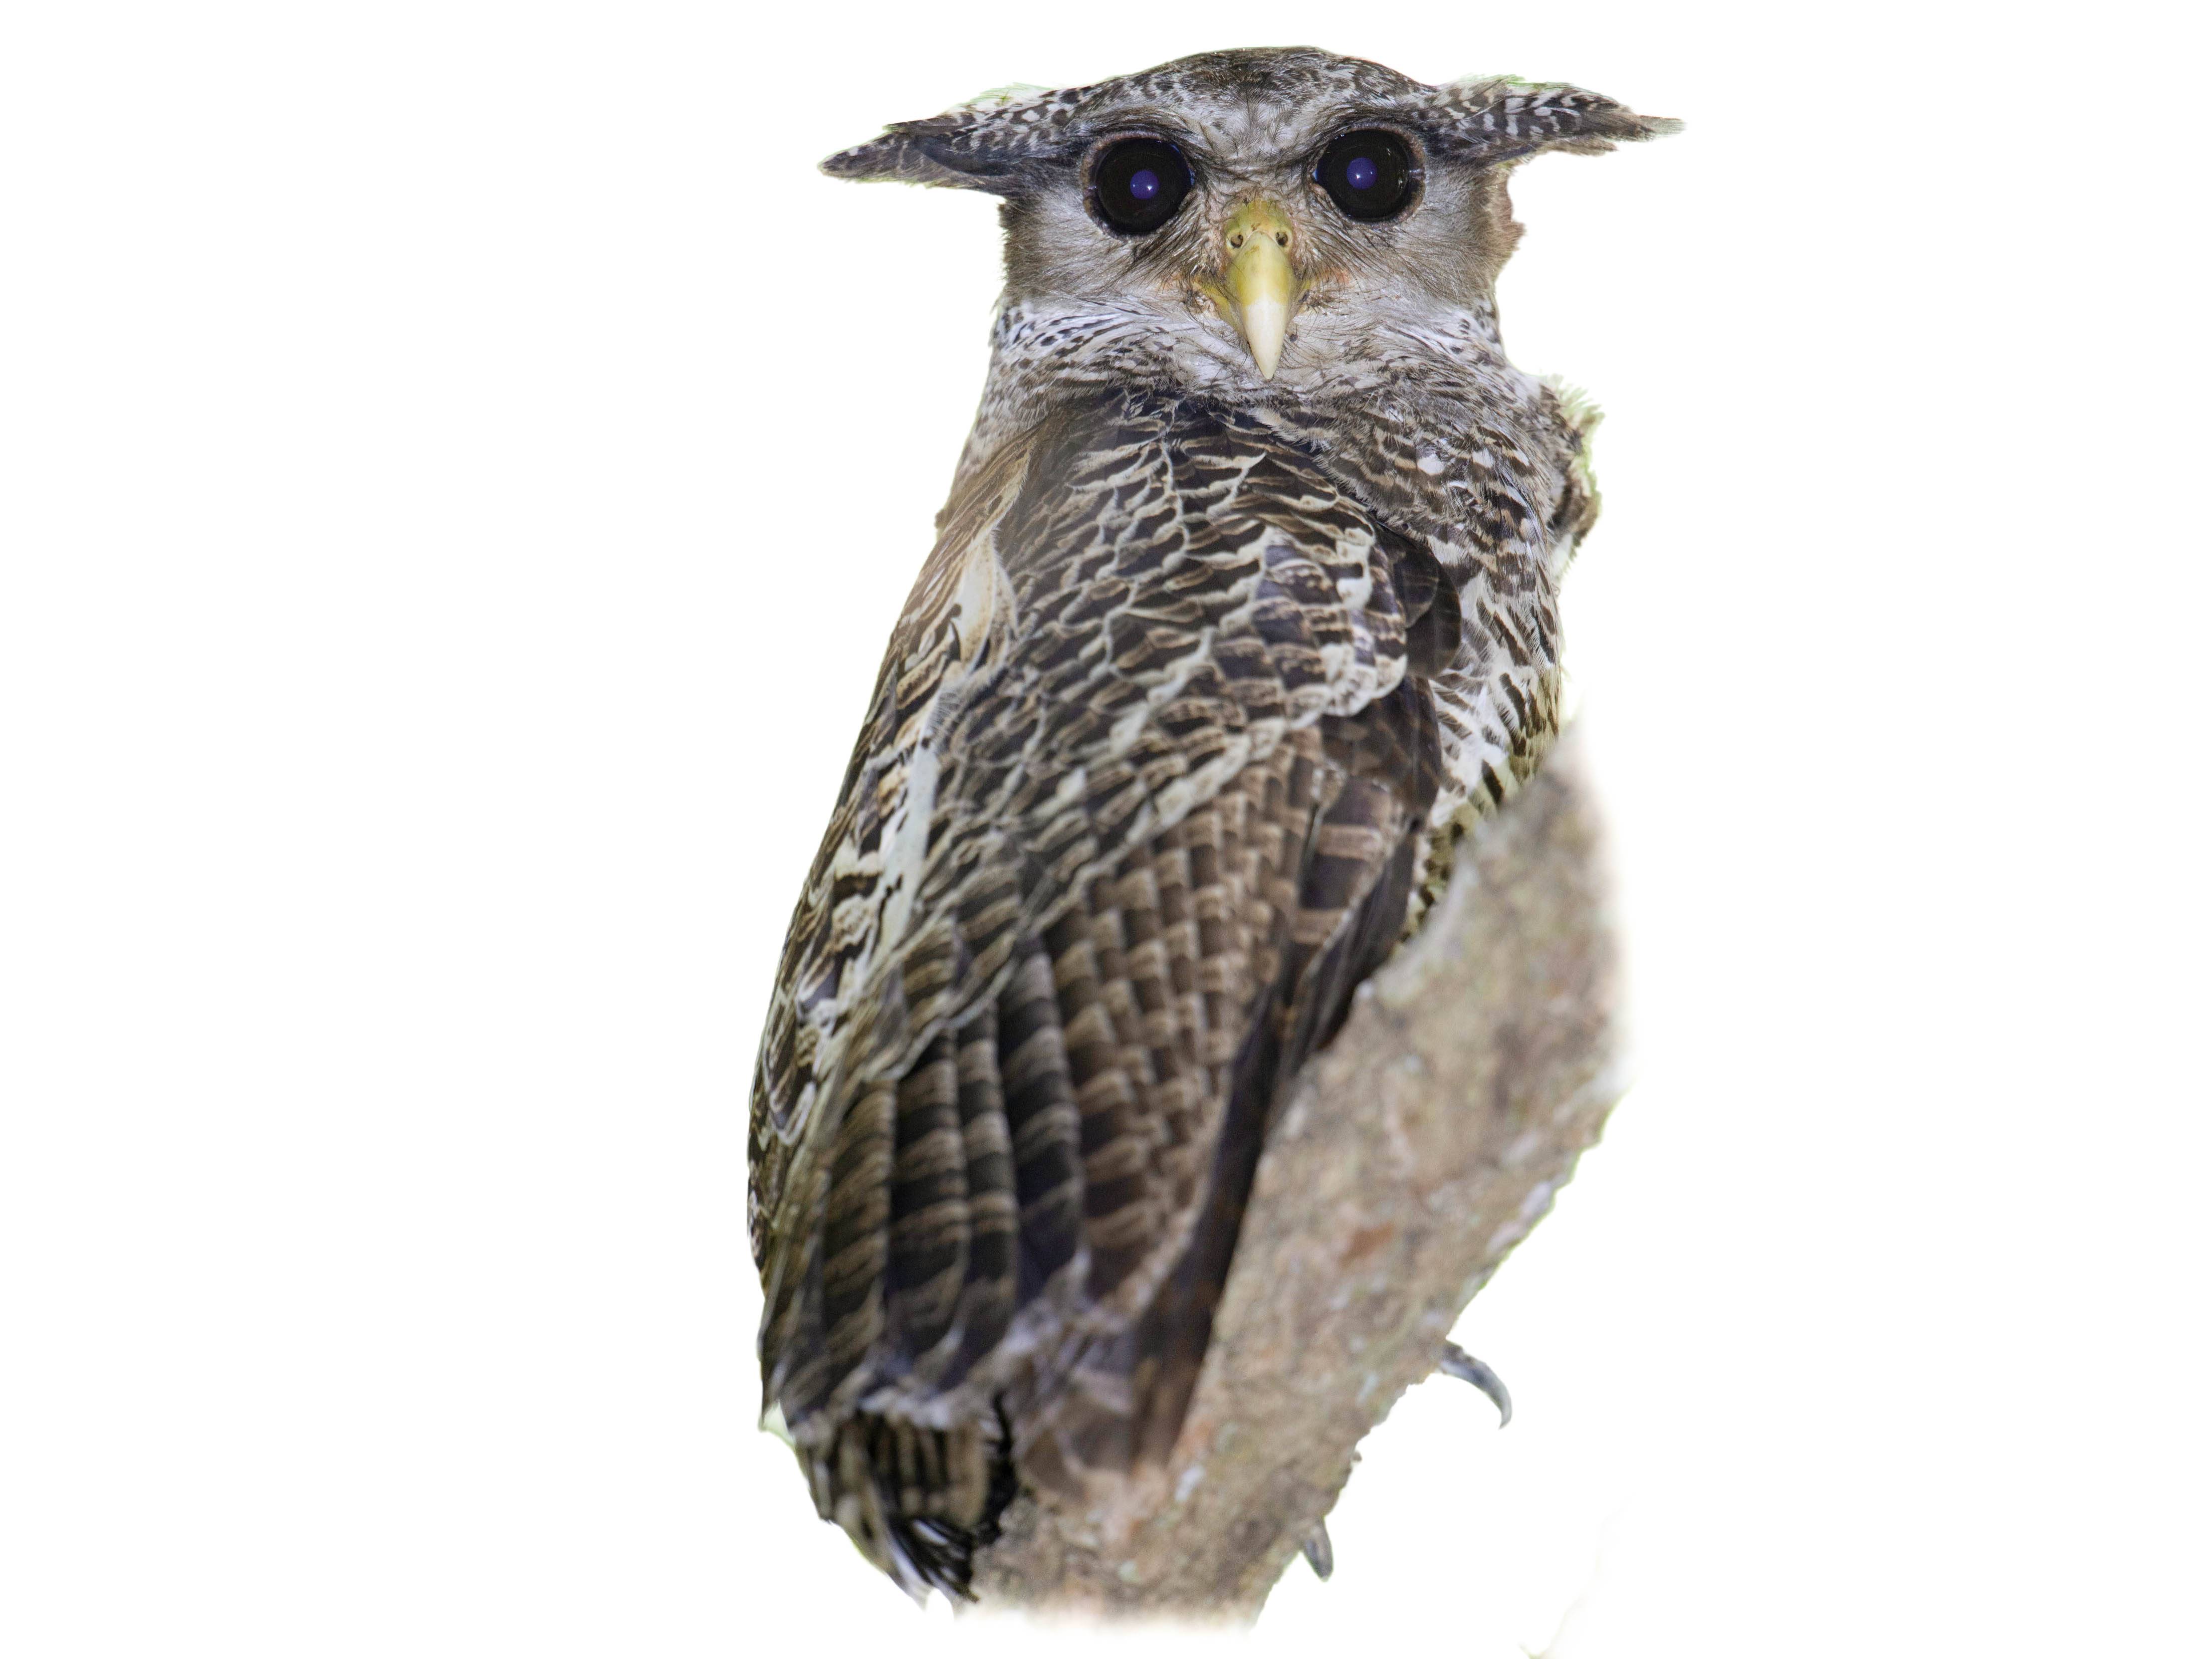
[
  {"x": 1282, "y": 239},
  {"x": 1237, "y": 241}
]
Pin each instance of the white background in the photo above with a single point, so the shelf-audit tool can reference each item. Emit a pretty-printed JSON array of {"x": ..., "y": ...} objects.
[{"x": 460, "y": 464}]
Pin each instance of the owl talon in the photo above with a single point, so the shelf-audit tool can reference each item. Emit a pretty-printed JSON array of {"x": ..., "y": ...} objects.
[
  {"x": 1459, "y": 1363},
  {"x": 1319, "y": 1555}
]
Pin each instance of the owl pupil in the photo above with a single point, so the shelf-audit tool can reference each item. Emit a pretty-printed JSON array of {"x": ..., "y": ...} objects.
[
  {"x": 1369, "y": 175},
  {"x": 1137, "y": 184}
]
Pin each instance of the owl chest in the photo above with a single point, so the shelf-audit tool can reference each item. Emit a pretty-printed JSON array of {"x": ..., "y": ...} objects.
[{"x": 1485, "y": 487}]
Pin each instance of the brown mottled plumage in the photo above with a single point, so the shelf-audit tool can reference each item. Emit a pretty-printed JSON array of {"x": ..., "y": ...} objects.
[{"x": 1204, "y": 677}]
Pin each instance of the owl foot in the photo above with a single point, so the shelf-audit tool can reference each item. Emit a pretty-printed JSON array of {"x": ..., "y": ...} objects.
[
  {"x": 1459, "y": 1363},
  {"x": 1319, "y": 1555}
]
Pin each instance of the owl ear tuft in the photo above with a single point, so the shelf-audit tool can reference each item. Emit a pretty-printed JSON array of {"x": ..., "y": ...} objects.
[
  {"x": 1499, "y": 118},
  {"x": 990, "y": 142}
]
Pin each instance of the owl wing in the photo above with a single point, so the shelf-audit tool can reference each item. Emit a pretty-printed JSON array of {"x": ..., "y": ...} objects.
[{"x": 1137, "y": 803}]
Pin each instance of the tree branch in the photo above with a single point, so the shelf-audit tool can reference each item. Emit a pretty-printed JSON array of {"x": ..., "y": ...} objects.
[{"x": 1412, "y": 1156}]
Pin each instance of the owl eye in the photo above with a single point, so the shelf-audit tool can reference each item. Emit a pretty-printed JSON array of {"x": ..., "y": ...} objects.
[
  {"x": 1369, "y": 175},
  {"x": 1137, "y": 184}
]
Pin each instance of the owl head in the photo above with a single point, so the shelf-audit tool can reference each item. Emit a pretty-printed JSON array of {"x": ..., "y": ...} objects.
[{"x": 1252, "y": 206}]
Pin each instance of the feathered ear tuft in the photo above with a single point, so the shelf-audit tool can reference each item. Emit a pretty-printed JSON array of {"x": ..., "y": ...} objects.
[
  {"x": 1498, "y": 118},
  {"x": 988, "y": 143}
]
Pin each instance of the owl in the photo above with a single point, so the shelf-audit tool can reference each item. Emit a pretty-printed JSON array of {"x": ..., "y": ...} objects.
[{"x": 1243, "y": 608}]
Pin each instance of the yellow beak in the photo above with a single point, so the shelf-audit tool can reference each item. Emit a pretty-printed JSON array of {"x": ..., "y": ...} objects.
[{"x": 1259, "y": 286}]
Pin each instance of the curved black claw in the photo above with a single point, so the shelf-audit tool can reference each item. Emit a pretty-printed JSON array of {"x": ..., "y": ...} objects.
[
  {"x": 1319, "y": 1556},
  {"x": 1459, "y": 1363}
]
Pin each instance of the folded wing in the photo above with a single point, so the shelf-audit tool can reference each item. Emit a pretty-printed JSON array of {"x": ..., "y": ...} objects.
[{"x": 1141, "y": 797}]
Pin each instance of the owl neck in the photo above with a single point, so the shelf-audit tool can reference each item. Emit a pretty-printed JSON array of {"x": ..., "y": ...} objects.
[{"x": 1345, "y": 358}]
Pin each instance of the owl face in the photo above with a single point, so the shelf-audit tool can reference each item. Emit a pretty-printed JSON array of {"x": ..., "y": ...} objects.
[
  {"x": 1255, "y": 216},
  {"x": 1251, "y": 210}
]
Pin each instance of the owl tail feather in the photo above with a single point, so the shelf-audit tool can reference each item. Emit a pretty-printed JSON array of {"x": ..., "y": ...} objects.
[{"x": 917, "y": 1502}]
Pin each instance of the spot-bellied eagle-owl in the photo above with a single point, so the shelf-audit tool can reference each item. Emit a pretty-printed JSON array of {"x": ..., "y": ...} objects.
[{"x": 1243, "y": 606}]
